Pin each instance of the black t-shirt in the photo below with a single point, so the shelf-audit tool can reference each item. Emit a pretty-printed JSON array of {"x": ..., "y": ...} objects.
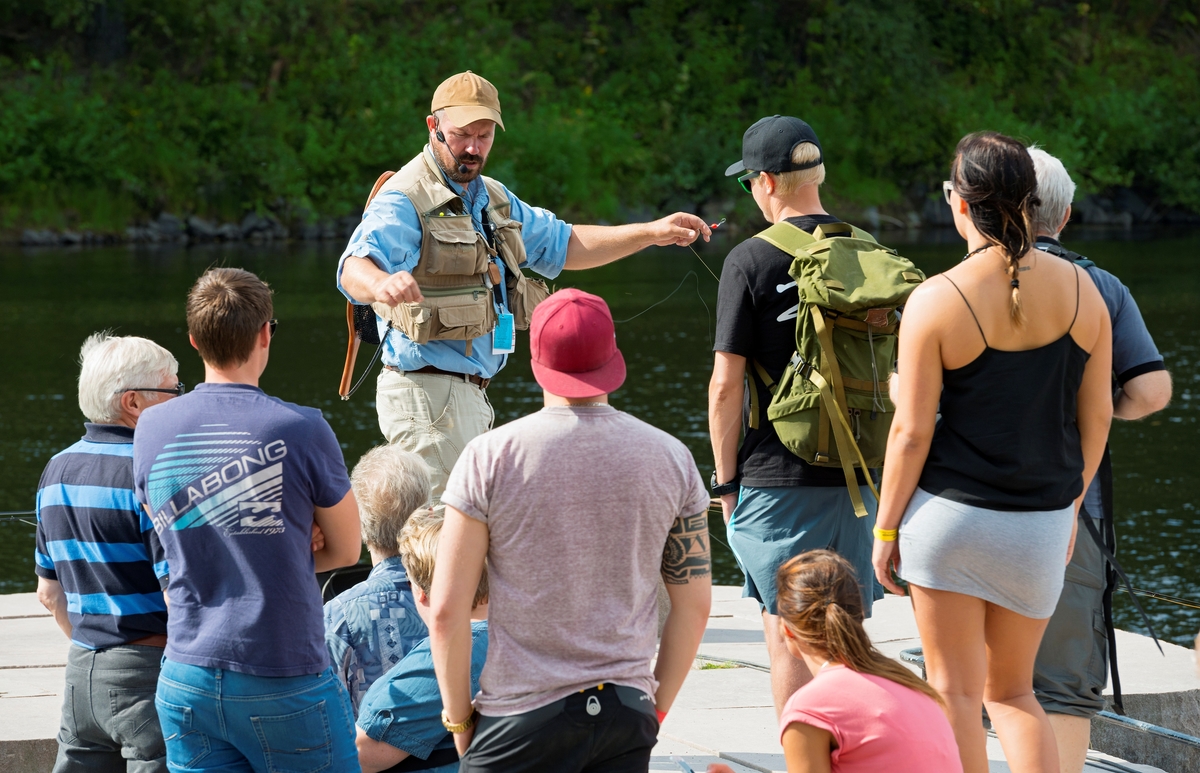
[{"x": 756, "y": 318}]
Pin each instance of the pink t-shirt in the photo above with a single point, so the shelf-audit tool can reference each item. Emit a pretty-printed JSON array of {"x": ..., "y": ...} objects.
[{"x": 876, "y": 723}]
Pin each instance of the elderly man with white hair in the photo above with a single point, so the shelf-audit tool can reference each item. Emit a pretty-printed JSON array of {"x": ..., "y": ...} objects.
[
  {"x": 100, "y": 566},
  {"x": 1072, "y": 664}
]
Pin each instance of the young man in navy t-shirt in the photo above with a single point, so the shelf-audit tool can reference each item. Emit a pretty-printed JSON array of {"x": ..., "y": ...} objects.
[{"x": 250, "y": 497}]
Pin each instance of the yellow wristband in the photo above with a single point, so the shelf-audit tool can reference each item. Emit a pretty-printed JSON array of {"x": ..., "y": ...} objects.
[{"x": 886, "y": 535}]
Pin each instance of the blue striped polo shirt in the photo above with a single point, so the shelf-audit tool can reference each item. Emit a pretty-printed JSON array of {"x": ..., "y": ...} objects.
[{"x": 95, "y": 539}]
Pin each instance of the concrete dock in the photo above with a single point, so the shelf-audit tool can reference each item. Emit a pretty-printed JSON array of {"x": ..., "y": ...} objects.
[{"x": 723, "y": 713}]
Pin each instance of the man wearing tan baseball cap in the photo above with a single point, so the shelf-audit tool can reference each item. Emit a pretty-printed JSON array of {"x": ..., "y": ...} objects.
[{"x": 439, "y": 257}]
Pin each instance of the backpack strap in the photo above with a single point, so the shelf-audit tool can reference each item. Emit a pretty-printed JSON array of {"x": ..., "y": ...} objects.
[
  {"x": 792, "y": 240},
  {"x": 768, "y": 382},
  {"x": 1062, "y": 252},
  {"x": 833, "y": 395},
  {"x": 787, "y": 237}
]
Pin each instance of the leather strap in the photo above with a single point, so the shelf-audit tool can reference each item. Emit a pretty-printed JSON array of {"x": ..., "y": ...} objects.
[
  {"x": 352, "y": 344},
  {"x": 153, "y": 640},
  {"x": 478, "y": 381}
]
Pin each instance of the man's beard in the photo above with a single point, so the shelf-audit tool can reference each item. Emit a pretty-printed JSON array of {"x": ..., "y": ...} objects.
[{"x": 450, "y": 166}]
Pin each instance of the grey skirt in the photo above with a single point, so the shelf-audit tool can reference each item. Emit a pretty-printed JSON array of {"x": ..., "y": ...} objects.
[{"x": 1015, "y": 560}]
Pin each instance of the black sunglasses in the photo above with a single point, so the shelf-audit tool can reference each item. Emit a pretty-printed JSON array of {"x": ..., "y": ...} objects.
[
  {"x": 177, "y": 391},
  {"x": 274, "y": 323},
  {"x": 746, "y": 179}
]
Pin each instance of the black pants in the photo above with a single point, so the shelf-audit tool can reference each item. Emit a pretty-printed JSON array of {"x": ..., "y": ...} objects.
[{"x": 605, "y": 729}]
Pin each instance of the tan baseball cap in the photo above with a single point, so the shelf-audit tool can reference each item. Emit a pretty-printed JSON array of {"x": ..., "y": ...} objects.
[{"x": 467, "y": 98}]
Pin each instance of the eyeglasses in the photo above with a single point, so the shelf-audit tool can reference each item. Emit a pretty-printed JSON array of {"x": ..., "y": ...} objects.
[
  {"x": 947, "y": 189},
  {"x": 747, "y": 178},
  {"x": 274, "y": 323},
  {"x": 177, "y": 391}
]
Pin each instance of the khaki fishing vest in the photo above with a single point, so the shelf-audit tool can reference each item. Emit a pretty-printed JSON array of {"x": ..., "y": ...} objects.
[{"x": 452, "y": 270}]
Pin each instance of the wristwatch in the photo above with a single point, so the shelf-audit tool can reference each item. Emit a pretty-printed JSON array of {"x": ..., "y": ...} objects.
[
  {"x": 720, "y": 490},
  {"x": 461, "y": 727}
]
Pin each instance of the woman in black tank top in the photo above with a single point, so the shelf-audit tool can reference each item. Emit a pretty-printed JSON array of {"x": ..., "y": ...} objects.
[{"x": 1015, "y": 354}]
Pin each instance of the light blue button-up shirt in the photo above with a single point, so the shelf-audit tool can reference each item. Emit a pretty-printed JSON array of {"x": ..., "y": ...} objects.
[{"x": 390, "y": 235}]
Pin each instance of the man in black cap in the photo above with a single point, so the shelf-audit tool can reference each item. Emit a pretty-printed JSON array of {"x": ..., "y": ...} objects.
[{"x": 775, "y": 504}]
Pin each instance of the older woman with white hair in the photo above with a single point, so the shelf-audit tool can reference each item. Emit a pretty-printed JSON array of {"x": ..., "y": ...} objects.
[{"x": 101, "y": 570}]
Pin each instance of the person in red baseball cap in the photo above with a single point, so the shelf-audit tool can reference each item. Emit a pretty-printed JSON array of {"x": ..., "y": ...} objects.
[
  {"x": 574, "y": 347},
  {"x": 572, "y": 499}
]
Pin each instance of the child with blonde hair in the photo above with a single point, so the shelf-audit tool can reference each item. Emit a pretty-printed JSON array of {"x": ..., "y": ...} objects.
[{"x": 400, "y": 720}]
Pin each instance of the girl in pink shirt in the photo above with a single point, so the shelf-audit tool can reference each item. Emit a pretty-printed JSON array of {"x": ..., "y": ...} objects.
[{"x": 863, "y": 712}]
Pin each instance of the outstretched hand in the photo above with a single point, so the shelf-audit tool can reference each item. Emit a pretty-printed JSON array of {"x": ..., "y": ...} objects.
[{"x": 680, "y": 229}]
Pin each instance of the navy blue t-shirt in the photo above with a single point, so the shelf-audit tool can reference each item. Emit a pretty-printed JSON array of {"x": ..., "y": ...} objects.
[{"x": 231, "y": 476}]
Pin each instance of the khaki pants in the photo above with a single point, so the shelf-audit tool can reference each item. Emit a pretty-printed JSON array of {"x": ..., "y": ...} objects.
[{"x": 432, "y": 415}]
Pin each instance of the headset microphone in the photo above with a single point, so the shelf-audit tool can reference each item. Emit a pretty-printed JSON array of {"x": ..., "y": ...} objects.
[{"x": 462, "y": 168}]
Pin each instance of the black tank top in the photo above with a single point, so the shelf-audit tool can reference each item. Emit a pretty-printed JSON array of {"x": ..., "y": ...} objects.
[{"x": 1007, "y": 438}]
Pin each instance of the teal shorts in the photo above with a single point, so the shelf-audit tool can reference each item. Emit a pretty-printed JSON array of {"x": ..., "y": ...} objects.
[{"x": 771, "y": 525}]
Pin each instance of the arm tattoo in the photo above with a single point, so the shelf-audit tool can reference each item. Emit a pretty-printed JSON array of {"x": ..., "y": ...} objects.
[{"x": 687, "y": 552}]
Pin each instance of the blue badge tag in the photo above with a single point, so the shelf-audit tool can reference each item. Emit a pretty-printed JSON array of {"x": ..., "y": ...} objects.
[{"x": 503, "y": 340}]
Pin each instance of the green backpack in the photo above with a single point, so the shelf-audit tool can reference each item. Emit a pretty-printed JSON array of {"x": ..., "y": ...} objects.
[{"x": 835, "y": 386}]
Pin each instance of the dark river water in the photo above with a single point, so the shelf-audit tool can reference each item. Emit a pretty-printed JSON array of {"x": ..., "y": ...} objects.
[{"x": 50, "y": 300}]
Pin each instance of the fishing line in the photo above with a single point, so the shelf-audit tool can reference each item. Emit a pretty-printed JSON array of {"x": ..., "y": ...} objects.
[
  {"x": 367, "y": 371},
  {"x": 693, "y": 249},
  {"x": 714, "y": 227},
  {"x": 707, "y": 312},
  {"x": 1169, "y": 599},
  {"x": 18, "y": 515}
]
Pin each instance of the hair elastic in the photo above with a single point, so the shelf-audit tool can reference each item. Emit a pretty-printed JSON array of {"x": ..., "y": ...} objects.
[{"x": 1015, "y": 283}]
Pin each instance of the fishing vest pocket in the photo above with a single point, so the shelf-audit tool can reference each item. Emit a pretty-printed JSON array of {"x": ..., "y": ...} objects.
[
  {"x": 455, "y": 248},
  {"x": 526, "y": 295},
  {"x": 460, "y": 314}
]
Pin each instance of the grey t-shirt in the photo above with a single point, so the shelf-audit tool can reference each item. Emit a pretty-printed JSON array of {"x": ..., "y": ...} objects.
[{"x": 578, "y": 502}]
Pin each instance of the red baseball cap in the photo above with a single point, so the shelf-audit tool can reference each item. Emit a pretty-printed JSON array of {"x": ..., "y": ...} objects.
[{"x": 574, "y": 346}]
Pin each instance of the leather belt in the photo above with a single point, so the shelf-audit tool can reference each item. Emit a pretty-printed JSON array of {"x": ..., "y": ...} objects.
[
  {"x": 153, "y": 640},
  {"x": 478, "y": 381}
]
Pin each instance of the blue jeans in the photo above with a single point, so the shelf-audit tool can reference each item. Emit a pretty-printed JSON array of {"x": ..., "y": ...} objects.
[{"x": 213, "y": 719}]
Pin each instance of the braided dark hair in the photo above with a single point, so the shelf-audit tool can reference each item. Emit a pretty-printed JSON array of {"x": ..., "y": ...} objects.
[{"x": 995, "y": 175}]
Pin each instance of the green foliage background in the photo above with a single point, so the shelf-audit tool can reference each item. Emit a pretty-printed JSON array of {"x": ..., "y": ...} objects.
[{"x": 112, "y": 110}]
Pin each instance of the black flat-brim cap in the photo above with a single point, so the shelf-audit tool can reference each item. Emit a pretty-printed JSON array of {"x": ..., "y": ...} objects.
[{"x": 767, "y": 146}]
